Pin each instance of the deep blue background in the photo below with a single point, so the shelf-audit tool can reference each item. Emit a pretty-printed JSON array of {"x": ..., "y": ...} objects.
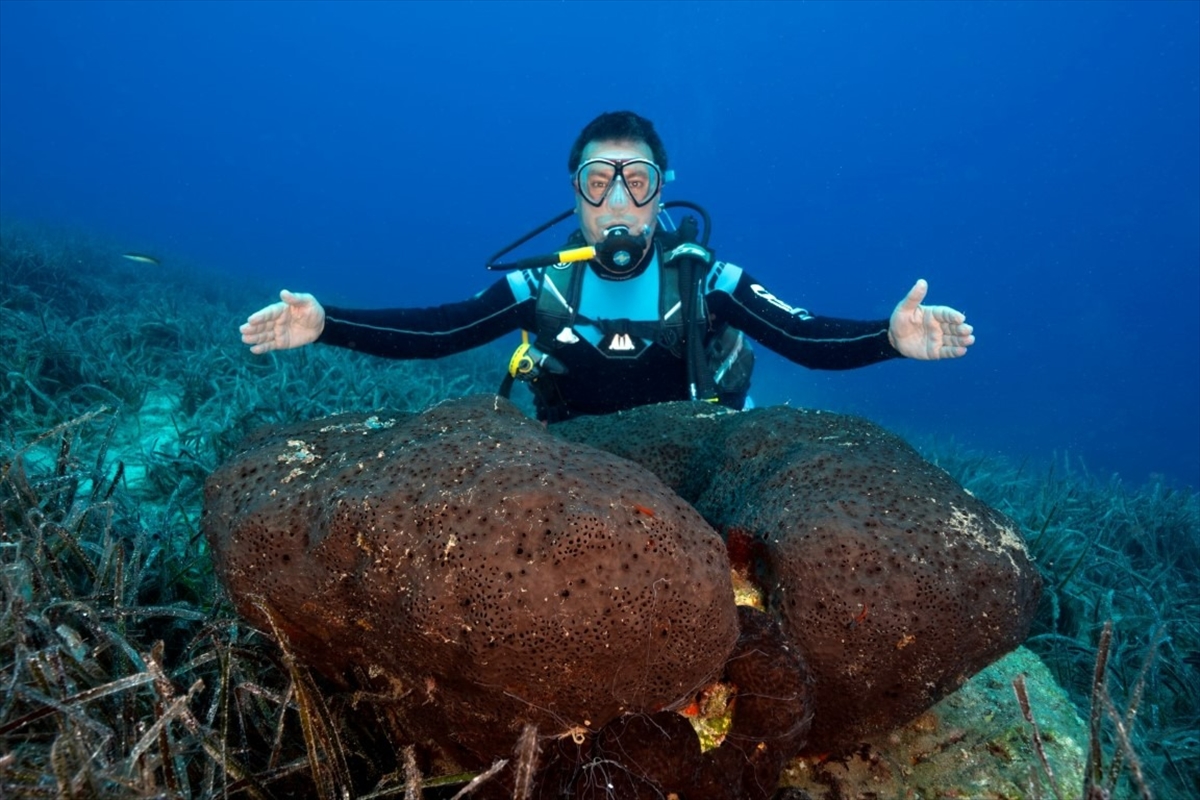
[{"x": 1037, "y": 162}]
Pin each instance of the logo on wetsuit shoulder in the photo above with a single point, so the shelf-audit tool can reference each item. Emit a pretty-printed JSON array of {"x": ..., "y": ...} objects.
[{"x": 758, "y": 289}]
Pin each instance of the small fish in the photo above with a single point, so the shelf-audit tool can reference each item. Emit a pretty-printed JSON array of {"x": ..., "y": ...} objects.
[{"x": 142, "y": 258}]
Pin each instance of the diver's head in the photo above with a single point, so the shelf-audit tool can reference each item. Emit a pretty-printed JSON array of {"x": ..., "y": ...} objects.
[
  {"x": 618, "y": 126},
  {"x": 617, "y": 166}
]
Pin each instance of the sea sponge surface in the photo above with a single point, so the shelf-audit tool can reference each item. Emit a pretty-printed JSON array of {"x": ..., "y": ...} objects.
[{"x": 480, "y": 571}]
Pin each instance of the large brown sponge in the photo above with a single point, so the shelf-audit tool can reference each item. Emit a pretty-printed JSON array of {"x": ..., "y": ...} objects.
[
  {"x": 480, "y": 571},
  {"x": 894, "y": 582}
]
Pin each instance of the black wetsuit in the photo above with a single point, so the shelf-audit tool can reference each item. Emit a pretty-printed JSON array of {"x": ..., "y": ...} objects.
[{"x": 608, "y": 373}]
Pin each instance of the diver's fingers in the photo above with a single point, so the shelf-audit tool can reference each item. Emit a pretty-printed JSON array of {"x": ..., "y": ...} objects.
[
  {"x": 947, "y": 315},
  {"x": 912, "y": 301},
  {"x": 266, "y": 316},
  {"x": 261, "y": 339},
  {"x": 298, "y": 300}
]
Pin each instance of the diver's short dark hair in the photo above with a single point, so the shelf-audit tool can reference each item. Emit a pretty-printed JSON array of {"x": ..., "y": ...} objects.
[{"x": 618, "y": 126}]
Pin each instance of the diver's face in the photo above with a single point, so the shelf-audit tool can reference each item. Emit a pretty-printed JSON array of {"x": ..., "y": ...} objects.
[{"x": 618, "y": 207}]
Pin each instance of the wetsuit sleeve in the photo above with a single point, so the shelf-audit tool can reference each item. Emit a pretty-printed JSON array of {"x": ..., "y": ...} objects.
[
  {"x": 735, "y": 297},
  {"x": 430, "y": 332}
]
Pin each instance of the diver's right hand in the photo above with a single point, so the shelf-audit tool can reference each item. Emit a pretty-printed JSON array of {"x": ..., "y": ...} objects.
[{"x": 295, "y": 322}]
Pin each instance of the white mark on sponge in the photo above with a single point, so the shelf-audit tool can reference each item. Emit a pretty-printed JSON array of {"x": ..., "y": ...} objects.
[{"x": 975, "y": 529}]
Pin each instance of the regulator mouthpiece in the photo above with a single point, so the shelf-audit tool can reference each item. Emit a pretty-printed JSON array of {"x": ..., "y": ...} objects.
[{"x": 621, "y": 253}]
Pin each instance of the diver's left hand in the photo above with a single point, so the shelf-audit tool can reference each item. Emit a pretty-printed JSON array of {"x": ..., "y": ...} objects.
[{"x": 928, "y": 333}]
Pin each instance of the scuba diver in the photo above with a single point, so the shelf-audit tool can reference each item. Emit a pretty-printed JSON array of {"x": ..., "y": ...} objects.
[{"x": 631, "y": 312}]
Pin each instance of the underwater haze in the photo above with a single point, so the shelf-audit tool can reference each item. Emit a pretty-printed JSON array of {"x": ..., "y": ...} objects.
[{"x": 1038, "y": 163}]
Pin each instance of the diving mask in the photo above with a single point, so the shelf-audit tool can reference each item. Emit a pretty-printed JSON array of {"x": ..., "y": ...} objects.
[{"x": 640, "y": 178}]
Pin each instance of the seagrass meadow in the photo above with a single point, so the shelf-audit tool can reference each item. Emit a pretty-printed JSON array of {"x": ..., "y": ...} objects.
[{"x": 126, "y": 672}]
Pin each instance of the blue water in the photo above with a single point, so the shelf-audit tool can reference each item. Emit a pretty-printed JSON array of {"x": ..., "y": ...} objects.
[{"x": 1038, "y": 163}]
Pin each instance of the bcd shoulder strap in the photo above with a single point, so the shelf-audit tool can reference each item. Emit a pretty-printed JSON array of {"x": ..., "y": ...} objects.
[{"x": 558, "y": 301}]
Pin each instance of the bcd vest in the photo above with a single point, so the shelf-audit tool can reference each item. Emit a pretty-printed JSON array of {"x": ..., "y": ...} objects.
[{"x": 719, "y": 360}]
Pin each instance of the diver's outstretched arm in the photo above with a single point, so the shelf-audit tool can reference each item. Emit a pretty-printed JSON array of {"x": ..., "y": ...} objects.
[{"x": 294, "y": 322}]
